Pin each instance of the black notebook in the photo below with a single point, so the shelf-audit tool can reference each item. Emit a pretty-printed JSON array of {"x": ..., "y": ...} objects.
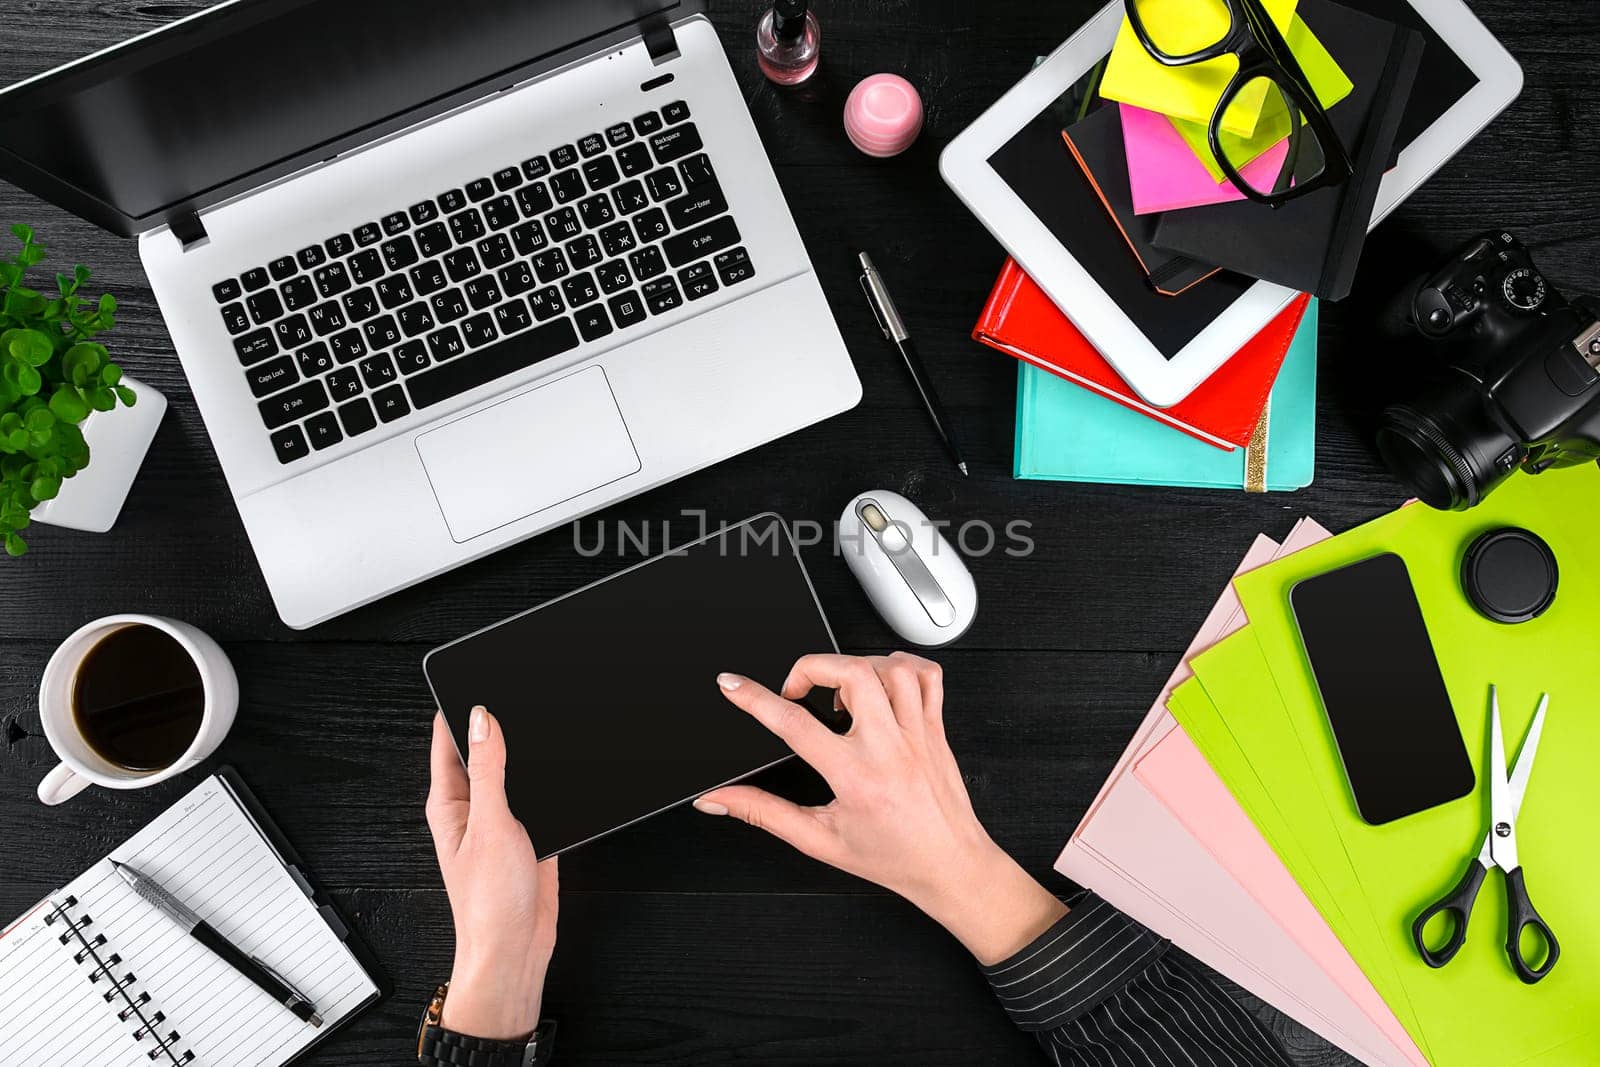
[
  {"x": 1313, "y": 243},
  {"x": 112, "y": 982},
  {"x": 1096, "y": 142}
]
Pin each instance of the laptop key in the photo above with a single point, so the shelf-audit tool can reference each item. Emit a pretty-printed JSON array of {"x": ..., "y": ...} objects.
[
  {"x": 676, "y": 111},
  {"x": 467, "y": 226},
  {"x": 394, "y": 291},
  {"x": 630, "y": 197},
  {"x": 283, "y": 268},
  {"x": 267, "y": 378},
  {"x": 391, "y": 403},
  {"x": 424, "y": 212},
  {"x": 382, "y": 332},
  {"x": 662, "y": 295},
  {"x": 580, "y": 289},
  {"x": 369, "y": 233},
  {"x": 517, "y": 279},
  {"x": 651, "y": 225},
  {"x": 332, "y": 279},
  {"x": 462, "y": 264},
  {"x": 482, "y": 292},
  {"x": 411, "y": 357},
  {"x": 290, "y": 444},
  {"x": 535, "y": 199},
  {"x": 449, "y": 305},
  {"x": 399, "y": 253},
  {"x": 535, "y": 168},
  {"x": 307, "y": 398},
  {"x": 361, "y": 304},
  {"x": 698, "y": 281},
  {"x": 340, "y": 246},
  {"x": 495, "y": 251},
  {"x": 677, "y": 142},
  {"x": 714, "y": 236},
  {"x": 734, "y": 266},
  {"x": 356, "y": 417},
  {"x": 378, "y": 371},
  {"x": 613, "y": 276},
  {"x": 618, "y": 239},
  {"x": 226, "y": 290},
  {"x": 314, "y": 360},
  {"x": 396, "y": 223},
  {"x": 550, "y": 265},
  {"x": 480, "y": 189},
  {"x": 647, "y": 123},
  {"x": 663, "y": 184},
  {"x": 345, "y": 383},
  {"x": 428, "y": 278},
  {"x": 563, "y": 224},
  {"x": 347, "y": 346},
  {"x": 591, "y": 145},
  {"x": 697, "y": 171},
  {"x": 512, "y": 317},
  {"x": 593, "y": 322},
  {"x": 255, "y": 346},
  {"x": 634, "y": 160},
  {"x": 366, "y": 266},
  {"x": 255, "y": 279},
  {"x": 415, "y": 320},
  {"x": 434, "y": 239},
  {"x": 597, "y": 211},
  {"x": 479, "y": 331},
  {"x": 293, "y": 331},
  {"x": 584, "y": 252},
  {"x": 546, "y": 303},
  {"x": 509, "y": 178},
  {"x": 567, "y": 185},
  {"x": 500, "y": 212},
  {"x": 452, "y": 201},
  {"x": 565, "y": 156},
  {"x": 702, "y": 203},
  {"x": 440, "y": 383},
  {"x": 529, "y": 237},
  {"x": 235, "y": 318},
  {"x": 445, "y": 344},
  {"x": 619, "y": 135},
  {"x": 601, "y": 173},
  {"x": 647, "y": 262},
  {"x": 323, "y": 430},
  {"x": 299, "y": 294},
  {"x": 326, "y": 318},
  {"x": 264, "y": 307},
  {"x": 627, "y": 309}
]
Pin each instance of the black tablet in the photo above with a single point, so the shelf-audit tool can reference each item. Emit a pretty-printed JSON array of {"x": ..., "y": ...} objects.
[{"x": 608, "y": 695}]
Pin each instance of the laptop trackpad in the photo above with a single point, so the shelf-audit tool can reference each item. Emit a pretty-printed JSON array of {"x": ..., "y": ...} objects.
[{"x": 526, "y": 454}]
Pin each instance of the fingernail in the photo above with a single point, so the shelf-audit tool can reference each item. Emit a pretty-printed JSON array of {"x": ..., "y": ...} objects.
[
  {"x": 710, "y": 807},
  {"x": 730, "y": 682},
  {"x": 479, "y": 729}
]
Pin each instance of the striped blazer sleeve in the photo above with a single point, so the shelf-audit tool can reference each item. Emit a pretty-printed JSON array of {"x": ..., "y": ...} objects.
[{"x": 1099, "y": 990}]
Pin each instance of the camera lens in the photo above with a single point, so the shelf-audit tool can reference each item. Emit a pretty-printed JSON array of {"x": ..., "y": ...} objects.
[{"x": 1446, "y": 449}]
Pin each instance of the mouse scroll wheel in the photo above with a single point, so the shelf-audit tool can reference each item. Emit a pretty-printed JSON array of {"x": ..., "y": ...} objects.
[{"x": 874, "y": 517}]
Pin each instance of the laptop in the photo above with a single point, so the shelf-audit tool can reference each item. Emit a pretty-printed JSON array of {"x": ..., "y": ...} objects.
[{"x": 443, "y": 276}]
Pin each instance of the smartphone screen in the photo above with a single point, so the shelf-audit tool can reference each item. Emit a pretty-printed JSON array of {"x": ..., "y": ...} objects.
[
  {"x": 1382, "y": 690},
  {"x": 608, "y": 696}
]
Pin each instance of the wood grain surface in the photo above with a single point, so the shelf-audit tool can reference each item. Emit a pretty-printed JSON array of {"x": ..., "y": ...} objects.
[{"x": 688, "y": 940}]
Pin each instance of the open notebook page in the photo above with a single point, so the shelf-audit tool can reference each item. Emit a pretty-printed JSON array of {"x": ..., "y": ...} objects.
[{"x": 208, "y": 852}]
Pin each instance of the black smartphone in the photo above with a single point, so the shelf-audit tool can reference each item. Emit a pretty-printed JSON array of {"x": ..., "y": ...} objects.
[{"x": 1382, "y": 690}]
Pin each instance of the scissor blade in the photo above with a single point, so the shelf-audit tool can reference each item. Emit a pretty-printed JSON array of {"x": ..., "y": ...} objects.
[
  {"x": 1530, "y": 748},
  {"x": 1502, "y": 810}
]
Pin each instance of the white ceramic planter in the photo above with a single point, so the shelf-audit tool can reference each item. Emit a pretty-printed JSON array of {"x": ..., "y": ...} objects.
[{"x": 118, "y": 440}]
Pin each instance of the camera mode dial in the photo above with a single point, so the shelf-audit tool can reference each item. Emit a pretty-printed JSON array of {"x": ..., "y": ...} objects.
[{"x": 1525, "y": 289}]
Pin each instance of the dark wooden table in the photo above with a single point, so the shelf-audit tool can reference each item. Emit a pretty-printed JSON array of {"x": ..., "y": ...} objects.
[{"x": 690, "y": 940}]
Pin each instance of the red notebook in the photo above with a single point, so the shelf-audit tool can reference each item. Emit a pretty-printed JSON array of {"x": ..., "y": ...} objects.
[{"x": 1021, "y": 321}]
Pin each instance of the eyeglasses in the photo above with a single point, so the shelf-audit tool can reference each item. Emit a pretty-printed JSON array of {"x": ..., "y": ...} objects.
[{"x": 1269, "y": 78}]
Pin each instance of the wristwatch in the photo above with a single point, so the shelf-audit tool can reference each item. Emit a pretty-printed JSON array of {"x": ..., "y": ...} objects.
[{"x": 438, "y": 1047}]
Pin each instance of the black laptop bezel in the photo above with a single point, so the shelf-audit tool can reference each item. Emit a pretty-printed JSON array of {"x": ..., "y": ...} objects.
[{"x": 230, "y": 17}]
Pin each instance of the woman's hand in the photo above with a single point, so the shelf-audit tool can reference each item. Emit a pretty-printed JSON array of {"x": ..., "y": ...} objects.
[
  {"x": 504, "y": 900},
  {"x": 901, "y": 816}
]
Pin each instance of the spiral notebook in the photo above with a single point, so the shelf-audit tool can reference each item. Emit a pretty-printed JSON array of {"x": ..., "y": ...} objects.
[{"x": 111, "y": 982}]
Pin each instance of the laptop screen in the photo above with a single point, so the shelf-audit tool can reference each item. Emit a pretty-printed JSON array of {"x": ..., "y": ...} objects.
[{"x": 257, "y": 88}]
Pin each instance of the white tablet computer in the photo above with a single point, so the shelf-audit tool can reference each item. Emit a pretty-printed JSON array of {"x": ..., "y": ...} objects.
[{"x": 1165, "y": 346}]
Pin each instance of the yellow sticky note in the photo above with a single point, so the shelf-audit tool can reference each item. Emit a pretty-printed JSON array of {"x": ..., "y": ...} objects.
[
  {"x": 1191, "y": 92},
  {"x": 1326, "y": 77}
]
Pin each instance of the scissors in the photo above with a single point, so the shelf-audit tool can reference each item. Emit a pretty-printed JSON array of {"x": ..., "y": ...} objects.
[{"x": 1499, "y": 850}]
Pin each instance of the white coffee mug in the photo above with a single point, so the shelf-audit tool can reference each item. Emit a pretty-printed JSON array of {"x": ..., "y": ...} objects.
[{"x": 80, "y": 765}]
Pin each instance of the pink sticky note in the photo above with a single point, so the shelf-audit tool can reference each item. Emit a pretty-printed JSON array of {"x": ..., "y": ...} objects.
[{"x": 1166, "y": 176}]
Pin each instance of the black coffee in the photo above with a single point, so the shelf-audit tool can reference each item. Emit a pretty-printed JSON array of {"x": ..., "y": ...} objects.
[{"x": 138, "y": 699}]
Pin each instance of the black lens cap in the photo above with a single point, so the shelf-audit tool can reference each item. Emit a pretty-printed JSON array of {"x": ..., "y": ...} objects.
[{"x": 1510, "y": 575}]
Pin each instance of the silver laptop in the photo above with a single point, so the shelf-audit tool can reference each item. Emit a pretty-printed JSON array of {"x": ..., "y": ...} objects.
[{"x": 443, "y": 276}]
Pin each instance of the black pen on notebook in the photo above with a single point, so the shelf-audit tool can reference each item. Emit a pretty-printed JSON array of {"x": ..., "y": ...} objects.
[
  {"x": 271, "y": 982},
  {"x": 894, "y": 328}
]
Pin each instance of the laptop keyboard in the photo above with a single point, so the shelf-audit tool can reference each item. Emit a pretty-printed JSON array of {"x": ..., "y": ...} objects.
[{"x": 509, "y": 270}]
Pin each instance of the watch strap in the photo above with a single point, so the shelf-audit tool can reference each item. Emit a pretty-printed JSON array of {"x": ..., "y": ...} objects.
[{"x": 445, "y": 1048}]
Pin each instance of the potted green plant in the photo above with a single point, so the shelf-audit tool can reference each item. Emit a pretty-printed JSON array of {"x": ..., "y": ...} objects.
[{"x": 59, "y": 405}]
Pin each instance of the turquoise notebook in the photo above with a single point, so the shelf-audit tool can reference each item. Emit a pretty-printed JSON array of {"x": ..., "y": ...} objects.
[{"x": 1066, "y": 433}]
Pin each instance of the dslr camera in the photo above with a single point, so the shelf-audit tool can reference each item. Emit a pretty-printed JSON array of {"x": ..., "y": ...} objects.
[{"x": 1516, "y": 384}]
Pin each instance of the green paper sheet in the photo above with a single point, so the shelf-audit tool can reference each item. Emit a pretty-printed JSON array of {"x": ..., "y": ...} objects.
[
  {"x": 1253, "y": 710},
  {"x": 1327, "y": 78}
]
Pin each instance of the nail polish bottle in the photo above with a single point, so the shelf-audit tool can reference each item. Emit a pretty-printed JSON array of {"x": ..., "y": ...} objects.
[{"x": 789, "y": 42}]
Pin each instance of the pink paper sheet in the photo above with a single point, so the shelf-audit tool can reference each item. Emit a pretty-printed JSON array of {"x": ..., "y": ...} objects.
[
  {"x": 1133, "y": 851},
  {"x": 1165, "y": 174}
]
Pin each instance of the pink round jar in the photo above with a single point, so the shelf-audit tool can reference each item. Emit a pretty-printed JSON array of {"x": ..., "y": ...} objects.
[{"x": 883, "y": 116}]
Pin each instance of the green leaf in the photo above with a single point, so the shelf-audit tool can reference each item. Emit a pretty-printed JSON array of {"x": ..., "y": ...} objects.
[
  {"x": 45, "y": 487},
  {"x": 111, "y": 375},
  {"x": 17, "y": 439},
  {"x": 40, "y": 419},
  {"x": 81, "y": 274},
  {"x": 102, "y": 399},
  {"x": 128, "y": 397},
  {"x": 21, "y": 303},
  {"x": 30, "y": 255},
  {"x": 82, "y": 362},
  {"x": 15, "y": 546},
  {"x": 108, "y": 304},
  {"x": 68, "y": 405},
  {"x": 30, "y": 346},
  {"x": 22, "y": 232}
]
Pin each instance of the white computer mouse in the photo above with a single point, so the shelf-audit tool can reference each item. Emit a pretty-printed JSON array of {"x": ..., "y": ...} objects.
[{"x": 911, "y": 573}]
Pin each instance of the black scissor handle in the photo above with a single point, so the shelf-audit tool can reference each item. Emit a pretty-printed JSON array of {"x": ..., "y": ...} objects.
[
  {"x": 1457, "y": 905},
  {"x": 1522, "y": 914}
]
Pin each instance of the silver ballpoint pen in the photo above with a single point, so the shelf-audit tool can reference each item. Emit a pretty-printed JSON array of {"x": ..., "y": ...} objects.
[
  {"x": 894, "y": 329},
  {"x": 271, "y": 982}
]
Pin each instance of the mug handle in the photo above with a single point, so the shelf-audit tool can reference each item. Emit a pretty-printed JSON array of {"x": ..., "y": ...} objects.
[{"x": 61, "y": 785}]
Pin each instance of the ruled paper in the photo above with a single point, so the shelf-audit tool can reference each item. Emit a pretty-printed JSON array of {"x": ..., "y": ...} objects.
[{"x": 207, "y": 852}]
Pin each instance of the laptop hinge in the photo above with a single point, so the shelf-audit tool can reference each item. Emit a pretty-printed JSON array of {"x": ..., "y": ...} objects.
[
  {"x": 189, "y": 230},
  {"x": 659, "y": 39}
]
